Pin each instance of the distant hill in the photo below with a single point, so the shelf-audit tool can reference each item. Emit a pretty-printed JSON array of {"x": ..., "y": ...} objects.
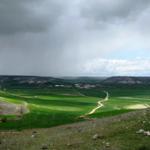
[
  {"x": 29, "y": 81},
  {"x": 127, "y": 80},
  {"x": 38, "y": 82},
  {"x": 84, "y": 79}
]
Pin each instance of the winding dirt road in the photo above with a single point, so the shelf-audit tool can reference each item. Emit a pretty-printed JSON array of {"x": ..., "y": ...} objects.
[{"x": 99, "y": 105}]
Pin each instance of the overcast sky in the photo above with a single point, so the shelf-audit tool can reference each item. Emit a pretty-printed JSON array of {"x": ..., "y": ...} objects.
[{"x": 75, "y": 37}]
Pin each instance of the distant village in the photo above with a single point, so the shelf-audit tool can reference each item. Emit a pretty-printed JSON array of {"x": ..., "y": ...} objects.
[{"x": 78, "y": 85}]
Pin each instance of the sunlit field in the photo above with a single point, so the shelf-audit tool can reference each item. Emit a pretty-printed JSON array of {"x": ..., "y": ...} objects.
[{"x": 58, "y": 106}]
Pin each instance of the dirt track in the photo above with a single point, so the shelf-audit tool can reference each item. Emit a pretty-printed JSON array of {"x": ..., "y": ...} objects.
[{"x": 99, "y": 105}]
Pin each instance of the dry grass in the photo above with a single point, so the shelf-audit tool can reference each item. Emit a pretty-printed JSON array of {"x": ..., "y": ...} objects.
[{"x": 114, "y": 133}]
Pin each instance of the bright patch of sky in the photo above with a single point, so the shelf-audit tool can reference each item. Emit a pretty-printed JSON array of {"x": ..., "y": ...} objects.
[{"x": 129, "y": 54}]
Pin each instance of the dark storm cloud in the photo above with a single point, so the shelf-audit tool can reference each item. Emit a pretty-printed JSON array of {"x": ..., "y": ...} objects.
[
  {"x": 27, "y": 15},
  {"x": 114, "y": 10},
  {"x": 63, "y": 37}
]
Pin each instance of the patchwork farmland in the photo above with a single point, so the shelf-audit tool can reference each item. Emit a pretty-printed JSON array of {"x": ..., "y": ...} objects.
[
  {"x": 23, "y": 108},
  {"x": 76, "y": 113}
]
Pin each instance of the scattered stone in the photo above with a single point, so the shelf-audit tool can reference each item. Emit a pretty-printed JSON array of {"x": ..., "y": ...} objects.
[
  {"x": 69, "y": 144},
  {"x": 147, "y": 133},
  {"x": 95, "y": 137},
  {"x": 144, "y": 122},
  {"x": 33, "y": 136},
  {"x": 140, "y": 131},
  {"x": 107, "y": 144},
  {"x": 34, "y": 133}
]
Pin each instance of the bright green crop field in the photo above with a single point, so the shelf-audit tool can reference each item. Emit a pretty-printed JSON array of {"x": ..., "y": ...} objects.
[{"x": 58, "y": 106}]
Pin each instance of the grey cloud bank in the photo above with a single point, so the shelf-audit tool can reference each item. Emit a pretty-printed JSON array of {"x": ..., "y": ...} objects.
[
  {"x": 114, "y": 10},
  {"x": 62, "y": 37}
]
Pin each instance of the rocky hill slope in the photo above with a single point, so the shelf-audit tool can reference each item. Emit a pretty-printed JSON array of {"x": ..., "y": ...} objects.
[
  {"x": 129, "y": 131},
  {"x": 127, "y": 80}
]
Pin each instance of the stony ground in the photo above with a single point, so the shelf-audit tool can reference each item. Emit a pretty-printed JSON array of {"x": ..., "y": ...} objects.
[
  {"x": 124, "y": 132},
  {"x": 7, "y": 108}
]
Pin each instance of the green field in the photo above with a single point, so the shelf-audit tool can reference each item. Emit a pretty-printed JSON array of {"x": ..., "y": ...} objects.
[{"x": 58, "y": 106}]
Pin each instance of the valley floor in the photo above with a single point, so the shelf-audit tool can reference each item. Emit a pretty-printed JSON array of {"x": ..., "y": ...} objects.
[{"x": 122, "y": 132}]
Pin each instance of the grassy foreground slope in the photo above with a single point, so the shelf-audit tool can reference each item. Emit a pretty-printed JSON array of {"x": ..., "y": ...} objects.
[
  {"x": 57, "y": 106},
  {"x": 112, "y": 133}
]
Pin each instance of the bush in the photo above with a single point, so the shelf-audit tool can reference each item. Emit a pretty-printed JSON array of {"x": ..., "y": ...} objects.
[
  {"x": 4, "y": 119},
  {"x": 144, "y": 148}
]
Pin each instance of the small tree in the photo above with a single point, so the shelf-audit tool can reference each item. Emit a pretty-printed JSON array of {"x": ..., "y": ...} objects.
[{"x": 4, "y": 119}]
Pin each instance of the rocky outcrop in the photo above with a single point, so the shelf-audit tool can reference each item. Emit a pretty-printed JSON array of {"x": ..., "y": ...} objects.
[
  {"x": 127, "y": 80},
  {"x": 13, "y": 109}
]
